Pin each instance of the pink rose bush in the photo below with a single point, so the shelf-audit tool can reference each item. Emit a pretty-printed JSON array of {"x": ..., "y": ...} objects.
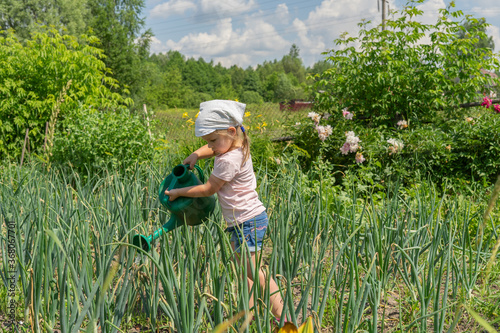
[
  {"x": 351, "y": 145},
  {"x": 347, "y": 115},
  {"x": 487, "y": 103},
  {"x": 323, "y": 131}
]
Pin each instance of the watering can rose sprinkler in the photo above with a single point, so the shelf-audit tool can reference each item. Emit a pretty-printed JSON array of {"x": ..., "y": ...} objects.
[{"x": 191, "y": 211}]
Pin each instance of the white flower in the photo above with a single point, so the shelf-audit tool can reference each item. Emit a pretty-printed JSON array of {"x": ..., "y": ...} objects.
[
  {"x": 402, "y": 124},
  {"x": 351, "y": 143},
  {"x": 359, "y": 158},
  {"x": 351, "y": 138},
  {"x": 324, "y": 132},
  {"x": 314, "y": 116},
  {"x": 396, "y": 146},
  {"x": 345, "y": 149}
]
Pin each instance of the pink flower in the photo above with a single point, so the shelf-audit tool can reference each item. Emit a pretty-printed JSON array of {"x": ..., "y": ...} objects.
[
  {"x": 324, "y": 132},
  {"x": 486, "y": 102},
  {"x": 359, "y": 158},
  {"x": 497, "y": 108},
  {"x": 347, "y": 115},
  {"x": 345, "y": 149}
]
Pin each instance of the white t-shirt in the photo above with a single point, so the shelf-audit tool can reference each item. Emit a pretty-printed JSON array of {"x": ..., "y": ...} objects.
[{"x": 238, "y": 199}]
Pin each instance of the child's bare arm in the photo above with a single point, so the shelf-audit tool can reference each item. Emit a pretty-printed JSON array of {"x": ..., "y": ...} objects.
[
  {"x": 199, "y": 154},
  {"x": 204, "y": 190}
]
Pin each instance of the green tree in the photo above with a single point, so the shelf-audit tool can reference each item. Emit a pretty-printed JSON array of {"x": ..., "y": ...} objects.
[
  {"x": 168, "y": 60},
  {"x": 34, "y": 73},
  {"x": 237, "y": 77},
  {"x": 251, "y": 97},
  {"x": 225, "y": 89},
  {"x": 251, "y": 81},
  {"x": 294, "y": 51},
  {"x": 118, "y": 25},
  {"x": 197, "y": 74},
  {"x": 391, "y": 74},
  {"x": 476, "y": 29},
  {"x": 26, "y": 16},
  {"x": 319, "y": 67},
  {"x": 283, "y": 89},
  {"x": 293, "y": 64}
]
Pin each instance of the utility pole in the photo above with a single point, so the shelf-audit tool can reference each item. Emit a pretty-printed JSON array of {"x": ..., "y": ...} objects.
[{"x": 383, "y": 14}]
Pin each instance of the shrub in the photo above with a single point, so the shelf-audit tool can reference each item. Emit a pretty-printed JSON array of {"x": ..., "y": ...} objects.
[
  {"x": 251, "y": 97},
  {"x": 460, "y": 149},
  {"x": 34, "y": 73},
  {"x": 92, "y": 141},
  {"x": 385, "y": 76}
]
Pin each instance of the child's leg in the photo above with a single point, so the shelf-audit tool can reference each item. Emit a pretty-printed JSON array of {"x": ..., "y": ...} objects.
[
  {"x": 274, "y": 291},
  {"x": 275, "y": 298}
]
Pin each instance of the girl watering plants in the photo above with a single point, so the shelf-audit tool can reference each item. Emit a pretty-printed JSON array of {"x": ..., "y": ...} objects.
[{"x": 219, "y": 123}]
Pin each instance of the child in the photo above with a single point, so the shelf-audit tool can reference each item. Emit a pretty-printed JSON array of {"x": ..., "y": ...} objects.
[{"x": 219, "y": 123}]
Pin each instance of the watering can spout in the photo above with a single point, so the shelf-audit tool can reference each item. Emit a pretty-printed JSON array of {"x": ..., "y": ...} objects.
[
  {"x": 184, "y": 210},
  {"x": 145, "y": 242}
]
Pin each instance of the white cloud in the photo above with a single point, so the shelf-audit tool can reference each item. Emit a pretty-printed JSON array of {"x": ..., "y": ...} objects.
[
  {"x": 172, "y": 7},
  {"x": 431, "y": 11},
  {"x": 157, "y": 46},
  {"x": 494, "y": 31},
  {"x": 244, "y": 34},
  {"x": 205, "y": 43},
  {"x": 226, "y": 45},
  {"x": 242, "y": 59},
  {"x": 282, "y": 13},
  {"x": 327, "y": 22},
  {"x": 226, "y": 7},
  {"x": 310, "y": 44}
]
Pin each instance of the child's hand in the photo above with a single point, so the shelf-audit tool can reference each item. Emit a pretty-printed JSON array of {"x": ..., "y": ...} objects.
[
  {"x": 171, "y": 195},
  {"x": 191, "y": 160}
]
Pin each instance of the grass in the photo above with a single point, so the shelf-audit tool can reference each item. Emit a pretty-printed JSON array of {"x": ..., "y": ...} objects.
[
  {"x": 404, "y": 263},
  {"x": 260, "y": 120}
]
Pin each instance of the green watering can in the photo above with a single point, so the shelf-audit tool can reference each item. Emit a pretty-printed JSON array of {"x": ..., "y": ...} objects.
[{"x": 192, "y": 211}]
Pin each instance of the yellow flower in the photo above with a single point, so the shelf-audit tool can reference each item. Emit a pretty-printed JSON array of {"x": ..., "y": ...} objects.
[
  {"x": 197, "y": 114},
  {"x": 247, "y": 114},
  {"x": 306, "y": 327},
  {"x": 236, "y": 100},
  {"x": 264, "y": 124},
  {"x": 190, "y": 122},
  {"x": 185, "y": 115},
  {"x": 259, "y": 116}
]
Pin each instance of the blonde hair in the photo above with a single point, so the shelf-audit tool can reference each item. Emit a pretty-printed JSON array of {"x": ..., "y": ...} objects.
[{"x": 245, "y": 141}]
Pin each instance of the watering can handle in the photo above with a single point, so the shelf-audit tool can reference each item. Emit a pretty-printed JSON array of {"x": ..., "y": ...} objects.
[{"x": 200, "y": 173}]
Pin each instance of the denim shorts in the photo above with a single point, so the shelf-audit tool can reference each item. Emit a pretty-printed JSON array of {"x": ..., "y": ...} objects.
[{"x": 252, "y": 232}]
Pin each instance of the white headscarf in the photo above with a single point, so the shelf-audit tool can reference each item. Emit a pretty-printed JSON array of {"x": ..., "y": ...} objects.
[{"x": 218, "y": 115}]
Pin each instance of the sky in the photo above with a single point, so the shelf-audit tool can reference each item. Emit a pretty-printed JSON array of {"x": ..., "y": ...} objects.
[{"x": 248, "y": 32}]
